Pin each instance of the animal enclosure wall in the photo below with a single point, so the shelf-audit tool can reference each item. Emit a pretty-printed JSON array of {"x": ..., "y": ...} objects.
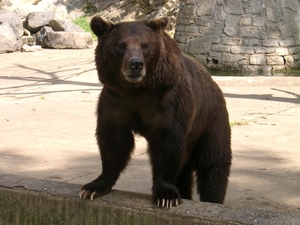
[{"x": 244, "y": 35}]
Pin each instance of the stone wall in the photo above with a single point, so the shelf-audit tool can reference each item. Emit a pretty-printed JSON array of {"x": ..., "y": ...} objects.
[{"x": 244, "y": 35}]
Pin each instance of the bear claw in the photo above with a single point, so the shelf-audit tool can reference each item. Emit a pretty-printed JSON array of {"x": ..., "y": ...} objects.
[{"x": 167, "y": 203}]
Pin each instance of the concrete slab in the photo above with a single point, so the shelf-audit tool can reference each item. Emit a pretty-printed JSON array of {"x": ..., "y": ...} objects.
[{"x": 47, "y": 124}]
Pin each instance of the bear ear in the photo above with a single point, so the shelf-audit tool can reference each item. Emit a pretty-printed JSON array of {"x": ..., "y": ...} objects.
[
  {"x": 159, "y": 24},
  {"x": 100, "y": 26}
]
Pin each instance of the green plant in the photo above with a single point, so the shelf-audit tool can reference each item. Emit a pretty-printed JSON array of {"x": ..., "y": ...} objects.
[{"x": 85, "y": 25}]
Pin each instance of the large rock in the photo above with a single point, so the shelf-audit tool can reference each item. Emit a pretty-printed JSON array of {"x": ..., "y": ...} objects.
[
  {"x": 48, "y": 38},
  {"x": 13, "y": 20},
  {"x": 72, "y": 27},
  {"x": 66, "y": 26},
  {"x": 36, "y": 20},
  {"x": 8, "y": 39}
]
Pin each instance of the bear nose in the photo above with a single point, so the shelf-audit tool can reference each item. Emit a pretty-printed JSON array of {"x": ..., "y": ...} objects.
[{"x": 136, "y": 64}]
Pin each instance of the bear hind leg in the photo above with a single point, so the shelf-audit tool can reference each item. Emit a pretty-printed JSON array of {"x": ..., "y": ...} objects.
[{"x": 213, "y": 169}]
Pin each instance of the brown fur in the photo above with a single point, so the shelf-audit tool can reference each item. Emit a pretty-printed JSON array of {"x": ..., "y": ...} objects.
[{"x": 152, "y": 89}]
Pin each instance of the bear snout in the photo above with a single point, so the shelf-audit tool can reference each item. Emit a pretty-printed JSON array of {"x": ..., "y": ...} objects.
[
  {"x": 134, "y": 70},
  {"x": 136, "y": 65}
]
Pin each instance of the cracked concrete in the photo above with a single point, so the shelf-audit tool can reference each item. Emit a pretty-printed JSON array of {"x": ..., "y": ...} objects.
[{"x": 47, "y": 124}]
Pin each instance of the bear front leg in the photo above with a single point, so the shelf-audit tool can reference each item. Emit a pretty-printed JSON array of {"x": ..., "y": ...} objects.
[
  {"x": 166, "y": 152},
  {"x": 115, "y": 144}
]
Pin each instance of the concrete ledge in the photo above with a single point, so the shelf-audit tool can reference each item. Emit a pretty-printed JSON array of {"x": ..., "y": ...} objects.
[{"x": 19, "y": 205}]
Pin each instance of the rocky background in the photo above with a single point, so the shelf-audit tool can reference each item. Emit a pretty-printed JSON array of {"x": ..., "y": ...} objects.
[
  {"x": 244, "y": 35},
  {"x": 28, "y": 25}
]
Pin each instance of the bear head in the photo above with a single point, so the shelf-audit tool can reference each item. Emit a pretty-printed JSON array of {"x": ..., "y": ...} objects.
[{"x": 128, "y": 52}]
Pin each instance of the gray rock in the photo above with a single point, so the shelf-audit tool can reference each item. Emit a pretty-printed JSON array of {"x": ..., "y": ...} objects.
[
  {"x": 71, "y": 40},
  {"x": 72, "y": 27},
  {"x": 41, "y": 35},
  {"x": 27, "y": 40},
  {"x": 28, "y": 48},
  {"x": 57, "y": 25},
  {"x": 8, "y": 39},
  {"x": 36, "y": 20},
  {"x": 48, "y": 38},
  {"x": 13, "y": 20}
]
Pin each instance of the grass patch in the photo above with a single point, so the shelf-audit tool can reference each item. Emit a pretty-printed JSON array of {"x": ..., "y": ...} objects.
[
  {"x": 239, "y": 123},
  {"x": 85, "y": 25}
]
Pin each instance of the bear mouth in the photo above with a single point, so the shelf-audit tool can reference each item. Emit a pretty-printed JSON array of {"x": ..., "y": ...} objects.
[{"x": 134, "y": 78}]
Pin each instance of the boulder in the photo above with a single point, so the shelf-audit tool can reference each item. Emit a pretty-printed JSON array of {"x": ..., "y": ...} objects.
[
  {"x": 8, "y": 38},
  {"x": 13, "y": 20},
  {"x": 57, "y": 25},
  {"x": 48, "y": 38},
  {"x": 41, "y": 35},
  {"x": 72, "y": 27},
  {"x": 36, "y": 20}
]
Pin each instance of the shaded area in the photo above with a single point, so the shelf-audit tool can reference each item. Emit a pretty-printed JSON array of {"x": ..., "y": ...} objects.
[{"x": 295, "y": 98}]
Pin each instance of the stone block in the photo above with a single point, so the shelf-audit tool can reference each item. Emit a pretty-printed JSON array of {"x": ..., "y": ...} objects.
[
  {"x": 189, "y": 9},
  {"x": 258, "y": 20},
  {"x": 278, "y": 68},
  {"x": 200, "y": 45},
  {"x": 205, "y": 8},
  {"x": 289, "y": 60},
  {"x": 257, "y": 59},
  {"x": 273, "y": 13},
  {"x": 264, "y": 50},
  {"x": 215, "y": 55},
  {"x": 233, "y": 7},
  {"x": 241, "y": 50},
  {"x": 282, "y": 51},
  {"x": 182, "y": 39},
  {"x": 287, "y": 42},
  {"x": 243, "y": 62},
  {"x": 294, "y": 50},
  {"x": 253, "y": 7},
  {"x": 231, "y": 58},
  {"x": 270, "y": 43},
  {"x": 191, "y": 30},
  {"x": 245, "y": 21},
  {"x": 220, "y": 48},
  {"x": 275, "y": 60},
  {"x": 202, "y": 59},
  {"x": 216, "y": 40},
  {"x": 251, "y": 42},
  {"x": 296, "y": 57},
  {"x": 290, "y": 29},
  {"x": 230, "y": 31},
  {"x": 231, "y": 41},
  {"x": 253, "y": 32},
  {"x": 256, "y": 68},
  {"x": 273, "y": 30}
]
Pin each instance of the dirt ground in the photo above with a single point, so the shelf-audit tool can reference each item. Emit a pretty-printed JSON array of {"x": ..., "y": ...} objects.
[{"x": 47, "y": 124}]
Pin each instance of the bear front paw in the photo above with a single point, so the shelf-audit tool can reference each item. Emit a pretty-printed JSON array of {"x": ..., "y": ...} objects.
[
  {"x": 166, "y": 195},
  {"x": 93, "y": 190}
]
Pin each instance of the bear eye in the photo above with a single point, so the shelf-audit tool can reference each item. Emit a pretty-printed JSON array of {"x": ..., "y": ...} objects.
[
  {"x": 145, "y": 46},
  {"x": 122, "y": 45}
]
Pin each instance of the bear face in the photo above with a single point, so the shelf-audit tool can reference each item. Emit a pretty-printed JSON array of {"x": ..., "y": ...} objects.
[{"x": 136, "y": 49}]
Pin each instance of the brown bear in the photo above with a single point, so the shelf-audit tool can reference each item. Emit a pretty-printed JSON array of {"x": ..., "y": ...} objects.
[{"x": 152, "y": 89}]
